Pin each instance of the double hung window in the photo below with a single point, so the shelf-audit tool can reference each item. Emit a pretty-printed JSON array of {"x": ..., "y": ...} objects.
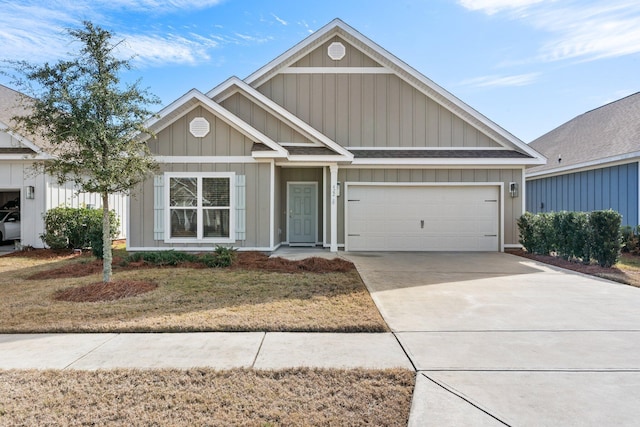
[{"x": 200, "y": 206}]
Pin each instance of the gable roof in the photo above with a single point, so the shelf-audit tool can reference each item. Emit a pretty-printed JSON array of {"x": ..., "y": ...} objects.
[
  {"x": 234, "y": 84},
  {"x": 606, "y": 134},
  {"x": 192, "y": 99},
  {"x": 401, "y": 69}
]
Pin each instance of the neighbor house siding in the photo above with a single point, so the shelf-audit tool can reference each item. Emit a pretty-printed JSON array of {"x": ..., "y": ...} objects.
[
  {"x": 257, "y": 205},
  {"x": 512, "y": 206},
  {"x": 614, "y": 187}
]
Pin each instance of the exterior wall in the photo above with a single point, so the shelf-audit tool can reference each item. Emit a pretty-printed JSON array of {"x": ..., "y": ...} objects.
[
  {"x": 16, "y": 175},
  {"x": 261, "y": 120},
  {"x": 371, "y": 110},
  {"x": 512, "y": 206},
  {"x": 222, "y": 140},
  {"x": 8, "y": 141},
  {"x": 352, "y": 58},
  {"x": 614, "y": 187},
  {"x": 298, "y": 174},
  {"x": 141, "y": 227}
]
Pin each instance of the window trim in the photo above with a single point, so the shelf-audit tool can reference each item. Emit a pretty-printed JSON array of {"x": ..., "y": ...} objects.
[{"x": 199, "y": 208}]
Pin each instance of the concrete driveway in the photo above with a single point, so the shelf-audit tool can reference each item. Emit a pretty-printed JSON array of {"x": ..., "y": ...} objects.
[{"x": 498, "y": 339}]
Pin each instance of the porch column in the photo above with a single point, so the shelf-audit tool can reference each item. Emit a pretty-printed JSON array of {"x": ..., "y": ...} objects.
[{"x": 333, "y": 169}]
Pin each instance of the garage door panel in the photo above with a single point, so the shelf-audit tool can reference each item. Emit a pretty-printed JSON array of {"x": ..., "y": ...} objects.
[{"x": 422, "y": 218}]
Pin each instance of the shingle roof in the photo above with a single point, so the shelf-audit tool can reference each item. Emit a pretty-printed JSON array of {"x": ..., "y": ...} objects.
[
  {"x": 311, "y": 151},
  {"x": 10, "y": 104},
  {"x": 439, "y": 154},
  {"x": 608, "y": 131}
]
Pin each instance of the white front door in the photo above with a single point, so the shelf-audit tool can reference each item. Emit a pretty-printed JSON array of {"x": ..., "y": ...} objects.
[{"x": 302, "y": 213}]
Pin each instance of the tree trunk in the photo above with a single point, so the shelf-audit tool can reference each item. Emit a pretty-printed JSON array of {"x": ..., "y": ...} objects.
[{"x": 106, "y": 239}]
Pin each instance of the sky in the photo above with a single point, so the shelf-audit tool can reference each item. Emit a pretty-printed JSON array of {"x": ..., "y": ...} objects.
[{"x": 527, "y": 65}]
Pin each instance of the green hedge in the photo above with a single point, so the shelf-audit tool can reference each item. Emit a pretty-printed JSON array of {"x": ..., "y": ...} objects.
[
  {"x": 77, "y": 228},
  {"x": 221, "y": 257},
  {"x": 578, "y": 236}
]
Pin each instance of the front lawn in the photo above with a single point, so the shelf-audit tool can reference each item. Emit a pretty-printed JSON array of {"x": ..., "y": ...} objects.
[
  {"x": 186, "y": 299},
  {"x": 292, "y": 397}
]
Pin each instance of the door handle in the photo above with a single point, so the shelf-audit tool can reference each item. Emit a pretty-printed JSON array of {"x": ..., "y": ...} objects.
[{"x": 422, "y": 223}]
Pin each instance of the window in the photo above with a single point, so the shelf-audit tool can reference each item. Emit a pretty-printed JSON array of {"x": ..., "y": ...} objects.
[{"x": 200, "y": 206}]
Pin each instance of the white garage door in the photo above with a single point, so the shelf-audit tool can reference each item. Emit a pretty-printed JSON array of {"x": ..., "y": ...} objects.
[{"x": 408, "y": 218}]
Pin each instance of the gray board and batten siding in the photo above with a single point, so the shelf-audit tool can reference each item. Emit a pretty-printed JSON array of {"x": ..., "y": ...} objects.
[{"x": 614, "y": 187}]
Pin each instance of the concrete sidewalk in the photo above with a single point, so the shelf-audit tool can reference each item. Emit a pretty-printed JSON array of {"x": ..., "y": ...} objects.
[{"x": 218, "y": 350}]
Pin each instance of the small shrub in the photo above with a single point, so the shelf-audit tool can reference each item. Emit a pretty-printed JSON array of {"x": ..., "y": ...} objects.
[
  {"x": 606, "y": 240},
  {"x": 77, "y": 228},
  {"x": 526, "y": 229},
  {"x": 221, "y": 257},
  {"x": 161, "y": 258},
  {"x": 631, "y": 239}
]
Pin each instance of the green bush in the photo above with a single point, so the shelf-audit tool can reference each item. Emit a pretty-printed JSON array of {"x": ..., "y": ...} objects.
[
  {"x": 606, "y": 240},
  {"x": 77, "y": 228},
  {"x": 221, "y": 257},
  {"x": 631, "y": 239},
  {"x": 527, "y": 234},
  {"x": 573, "y": 235}
]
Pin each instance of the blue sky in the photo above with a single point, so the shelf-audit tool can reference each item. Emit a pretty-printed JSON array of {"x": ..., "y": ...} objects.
[{"x": 528, "y": 65}]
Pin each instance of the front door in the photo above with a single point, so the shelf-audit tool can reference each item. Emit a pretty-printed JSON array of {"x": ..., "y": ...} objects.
[{"x": 302, "y": 213}]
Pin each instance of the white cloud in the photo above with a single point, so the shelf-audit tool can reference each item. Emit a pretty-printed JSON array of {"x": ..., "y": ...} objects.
[
  {"x": 491, "y": 7},
  {"x": 280, "y": 20},
  {"x": 501, "y": 81},
  {"x": 36, "y": 30},
  {"x": 584, "y": 30},
  {"x": 157, "y": 50}
]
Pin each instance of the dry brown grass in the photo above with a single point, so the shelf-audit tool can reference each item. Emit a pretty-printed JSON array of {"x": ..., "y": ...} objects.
[
  {"x": 291, "y": 397},
  {"x": 187, "y": 300}
]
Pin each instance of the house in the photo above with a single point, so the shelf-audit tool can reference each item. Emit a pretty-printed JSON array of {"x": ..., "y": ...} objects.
[
  {"x": 593, "y": 163},
  {"x": 336, "y": 143},
  {"x": 34, "y": 192}
]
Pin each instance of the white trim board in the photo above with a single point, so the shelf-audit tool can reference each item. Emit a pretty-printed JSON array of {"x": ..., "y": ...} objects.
[
  {"x": 336, "y": 70},
  {"x": 580, "y": 167}
]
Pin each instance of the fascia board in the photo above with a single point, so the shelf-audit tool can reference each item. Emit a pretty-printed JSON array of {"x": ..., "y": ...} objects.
[
  {"x": 219, "y": 111},
  {"x": 608, "y": 161},
  {"x": 24, "y": 141},
  {"x": 319, "y": 34},
  {"x": 329, "y": 159},
  {"x": 452, "y": 162},
  {"x": 278, "y": 111}
]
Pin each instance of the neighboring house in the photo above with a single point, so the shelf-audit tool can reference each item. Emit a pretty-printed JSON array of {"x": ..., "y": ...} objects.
[
  {"x": 593, "y": 163},
  {"x": 36, "y": 192},
  {"x": 336, "y": 143}
]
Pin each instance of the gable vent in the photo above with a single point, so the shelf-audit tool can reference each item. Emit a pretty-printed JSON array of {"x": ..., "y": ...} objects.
[
  {"x": 199, "y": 127},
  {"x": 336, "y": 51}
]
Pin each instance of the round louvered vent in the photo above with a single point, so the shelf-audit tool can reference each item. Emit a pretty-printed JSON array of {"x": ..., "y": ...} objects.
[
  {"x": 336, "y": 51},
  {"x": 199, "y": 127}
]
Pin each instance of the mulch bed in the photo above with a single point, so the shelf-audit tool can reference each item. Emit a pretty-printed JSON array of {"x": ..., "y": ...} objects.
[
  {"x": 126, "y": 288},
  {"x": 592, "y": 269},
  {"x": 105, "y": 291}
]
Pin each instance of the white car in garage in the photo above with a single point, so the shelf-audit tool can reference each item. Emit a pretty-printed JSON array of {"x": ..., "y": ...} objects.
[{"x": 9, "y": 225}]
